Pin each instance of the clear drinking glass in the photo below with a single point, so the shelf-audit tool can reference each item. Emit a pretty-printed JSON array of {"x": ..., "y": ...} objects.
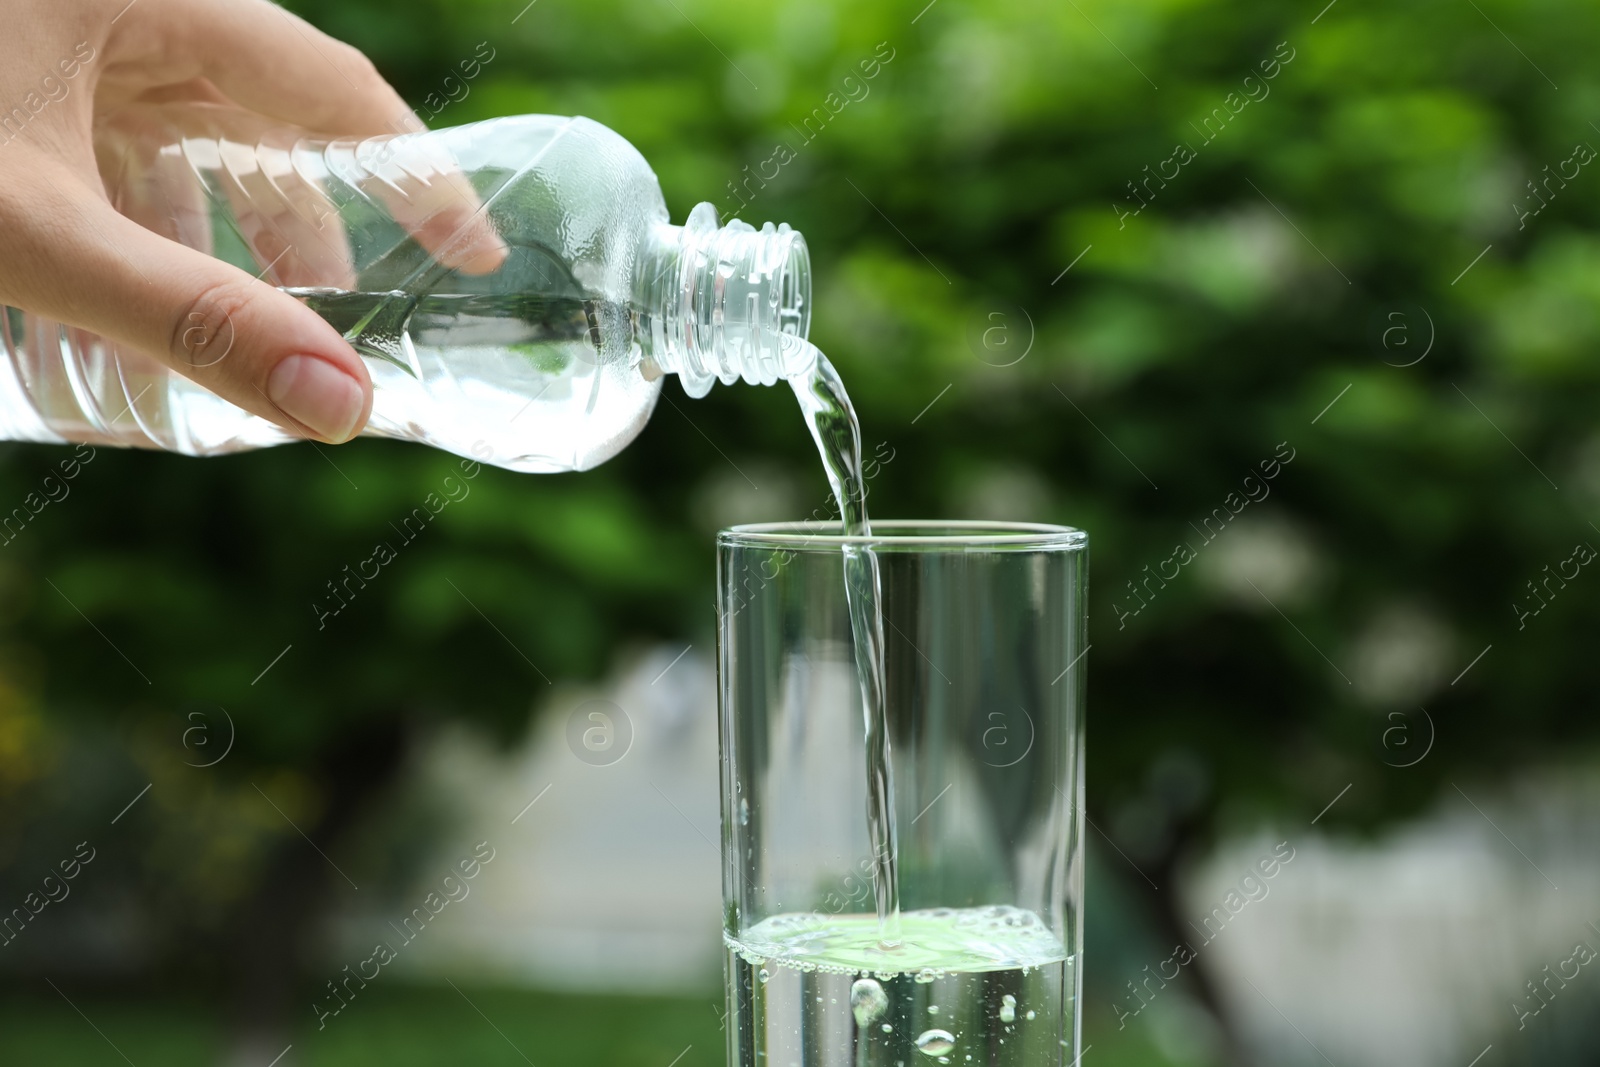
[{"x": 983, "y": 634}]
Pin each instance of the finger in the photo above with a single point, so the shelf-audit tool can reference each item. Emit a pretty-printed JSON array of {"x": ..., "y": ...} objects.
[
  {"x": 271, "y": 62},
  {"x": 290, "y": 227},
  {"x": 280, "y": 200},
  {"x": 275, "y": 63},
  {"x": 293, "y": 230},
  {"x": 418, "y": 180},
  {"x": 71, "y": 257}
]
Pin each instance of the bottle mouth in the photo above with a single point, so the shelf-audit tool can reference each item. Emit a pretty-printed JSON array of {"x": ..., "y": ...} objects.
[{"x": 743, "y": 292}]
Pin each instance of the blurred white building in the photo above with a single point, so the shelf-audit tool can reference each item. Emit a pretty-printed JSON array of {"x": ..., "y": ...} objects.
[
  {"x": 607, "y": 872},
  {"x": 1411, "y": 951}
]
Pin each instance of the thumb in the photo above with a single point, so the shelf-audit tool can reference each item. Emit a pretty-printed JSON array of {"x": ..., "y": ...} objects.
[{"x": 239, "y": 337}]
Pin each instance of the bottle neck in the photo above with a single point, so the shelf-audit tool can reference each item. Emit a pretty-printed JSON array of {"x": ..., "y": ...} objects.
[{"x": 723, "y": 303}]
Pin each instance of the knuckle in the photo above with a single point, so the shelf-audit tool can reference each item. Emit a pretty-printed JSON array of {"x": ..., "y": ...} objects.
[
  {"x": 356, "y": 63},
  {"x": 204, "y": 330}
]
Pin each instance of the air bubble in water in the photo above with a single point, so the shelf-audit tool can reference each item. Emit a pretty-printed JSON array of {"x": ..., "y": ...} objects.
[
  {"x": 763, "y": 974},
  {"x": 933, "y": 1009},
  {"x": 744, "y": 812},
  {"x": 1008, "y": 1008},
  {"x": 886, "y": 1028},
  {"x": 925, "y": 976},
  {"x": 867, "y": 1001},
  {"x": 1031, "y": 1015},
  {"x": 935, "y": 1042}
]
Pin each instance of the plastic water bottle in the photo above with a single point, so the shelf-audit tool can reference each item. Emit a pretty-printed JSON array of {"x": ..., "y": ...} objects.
[{"x": 550, "y": 360}]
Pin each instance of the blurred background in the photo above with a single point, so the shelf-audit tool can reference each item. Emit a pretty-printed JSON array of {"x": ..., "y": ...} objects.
[{"x": 1312, "y": 291}]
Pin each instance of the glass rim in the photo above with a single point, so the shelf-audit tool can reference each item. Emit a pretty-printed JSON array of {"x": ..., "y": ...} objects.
[{"x": 955, "y": 534}]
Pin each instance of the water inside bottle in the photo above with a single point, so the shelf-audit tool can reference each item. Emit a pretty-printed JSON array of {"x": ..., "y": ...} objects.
[
  {"x": 383, "y": 325},
  {"x": 524, "y": 378}
]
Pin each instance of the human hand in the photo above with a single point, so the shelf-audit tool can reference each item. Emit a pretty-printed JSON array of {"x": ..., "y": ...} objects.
[{"x": 71, "y": 257}]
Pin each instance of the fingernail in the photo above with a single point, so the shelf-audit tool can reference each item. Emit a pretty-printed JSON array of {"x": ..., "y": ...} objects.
[{"x": 317, "y": 394}]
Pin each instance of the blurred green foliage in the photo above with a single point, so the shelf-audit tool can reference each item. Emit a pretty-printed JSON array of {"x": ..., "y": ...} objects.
[
  {"x": 400, "y": 1027},
  {"x": 1385, "y": 155},
  {"x": 415, "y": 1026},
  {"x": 1383, "y": 172}
]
